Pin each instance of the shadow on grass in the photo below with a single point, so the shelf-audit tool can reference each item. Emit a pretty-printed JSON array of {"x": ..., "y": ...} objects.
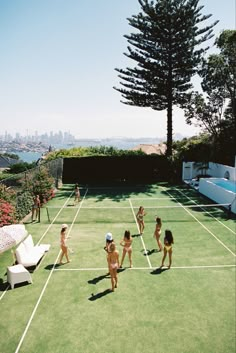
[
  {"x": 99, "y": 295},
  {"x": 158, "y": 271},
  {"x": 3, "y": 285},
  {"x": 135, "y": 235},
  {"x": 150, "y": 252},
  {"x": 51, "y": 266},
  {"x": 98, "y": 279}
]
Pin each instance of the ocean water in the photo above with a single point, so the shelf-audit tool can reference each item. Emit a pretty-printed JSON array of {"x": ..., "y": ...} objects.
[{"x": 29, "y": 157}]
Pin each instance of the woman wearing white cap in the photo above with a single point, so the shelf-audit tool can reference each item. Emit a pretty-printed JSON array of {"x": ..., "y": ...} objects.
[
  {"x": 64, "y": 247},
  {"x": 109, "y": 241}
]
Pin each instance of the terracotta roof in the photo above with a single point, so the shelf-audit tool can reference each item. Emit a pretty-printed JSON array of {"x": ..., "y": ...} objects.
[{"x": 150, "y": 149}]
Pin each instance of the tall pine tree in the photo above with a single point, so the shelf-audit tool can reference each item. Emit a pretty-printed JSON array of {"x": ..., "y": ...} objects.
[{"x": 166, "y": 48}]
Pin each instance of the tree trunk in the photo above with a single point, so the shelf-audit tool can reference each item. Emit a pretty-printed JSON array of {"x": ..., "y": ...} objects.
[{"x": 169, "y": 126}]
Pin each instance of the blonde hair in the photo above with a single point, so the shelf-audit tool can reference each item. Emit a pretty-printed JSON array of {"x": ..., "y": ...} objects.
[{"x": 112, "y": 247}]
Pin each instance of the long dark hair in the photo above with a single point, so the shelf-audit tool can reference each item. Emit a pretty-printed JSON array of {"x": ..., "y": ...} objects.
[
  {"x": 158, "y": 220},
  {"x": 127, "y": 234},
  {"x": 169, "y": 237}
]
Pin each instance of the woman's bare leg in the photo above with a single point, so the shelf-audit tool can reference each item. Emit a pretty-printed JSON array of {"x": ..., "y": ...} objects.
[
  {"x": 123, "y": 257},
  {"x": 130, "y": 258},
  {"x": 170, "y": 258},
  {"x": 164, "y": 257}
]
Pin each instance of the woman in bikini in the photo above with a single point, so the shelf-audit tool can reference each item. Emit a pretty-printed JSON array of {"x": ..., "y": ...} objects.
[
  {"x": 168, "y": 241},
  {"x": 157, "y": 232},
  {"x": 64, "y": 247},
  {"x": 35, "y": 207},
  {"x": 113, "y": 263},
  {"x": 77, "y": 193},
  {"x": 126, "y": 242},
  {"x": 140, "y": 214},
  {"x": 109, "y": 241}
]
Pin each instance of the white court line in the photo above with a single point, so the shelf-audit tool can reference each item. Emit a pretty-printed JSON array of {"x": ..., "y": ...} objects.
[
  {"x": 208, "y": 230},
  {"x": 148, "y": 198},
  {"x": 44, "y": 288},
  {"x": 146, "y": 252},
  {"x": 145, "y": 268},
  {"x": 205, "y": 210}
]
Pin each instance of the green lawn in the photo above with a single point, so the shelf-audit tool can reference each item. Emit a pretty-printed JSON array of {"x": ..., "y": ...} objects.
[{"x": 69, "y": 309}]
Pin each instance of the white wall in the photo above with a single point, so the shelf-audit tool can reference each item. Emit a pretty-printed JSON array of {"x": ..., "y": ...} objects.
[{"x": 191, "y": 169}]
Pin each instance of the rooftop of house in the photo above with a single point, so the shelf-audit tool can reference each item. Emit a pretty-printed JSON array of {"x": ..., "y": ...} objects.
[{"x": 151, "y": 148}]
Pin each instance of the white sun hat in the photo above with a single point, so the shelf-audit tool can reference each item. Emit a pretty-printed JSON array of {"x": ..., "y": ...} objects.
[
  {"x": 64, "y": 225},
  {"x": 109, "y": 236}
]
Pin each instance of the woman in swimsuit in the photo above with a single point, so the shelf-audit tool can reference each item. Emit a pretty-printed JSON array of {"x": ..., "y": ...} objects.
[
  {"x": 140, "y": 214},
  {"x": 109, "y": 241},
  {"x": 168, "y": 241},
  {"x": 126, "y": 242},
  {"x": 157, "y": 232},
  {"x": 113, "y": 263},
  {"x": 35, "y": 207},
  {"x": 64, "y": 247},
  {"x": 77, "y": 193}
]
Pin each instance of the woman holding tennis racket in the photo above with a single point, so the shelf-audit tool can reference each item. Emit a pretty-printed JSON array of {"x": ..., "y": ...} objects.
[{"x": 168, "y": 241}]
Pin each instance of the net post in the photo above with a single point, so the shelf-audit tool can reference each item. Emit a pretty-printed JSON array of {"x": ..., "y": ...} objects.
[{"x": 48, "y": 215}]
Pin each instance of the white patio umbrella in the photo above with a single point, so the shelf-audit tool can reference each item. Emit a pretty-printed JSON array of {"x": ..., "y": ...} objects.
[
  {"x": 6, "y": 241},
  {"x": 11, "y": 235}
]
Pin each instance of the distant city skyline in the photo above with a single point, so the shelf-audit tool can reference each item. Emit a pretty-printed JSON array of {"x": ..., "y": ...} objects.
[
  {"x": 58, "y": 61},
  {"x": 47, "y": 137}
]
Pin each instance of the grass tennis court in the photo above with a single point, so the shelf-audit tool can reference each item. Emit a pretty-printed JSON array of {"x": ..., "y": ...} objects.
[{"x": 69, "y": 309}]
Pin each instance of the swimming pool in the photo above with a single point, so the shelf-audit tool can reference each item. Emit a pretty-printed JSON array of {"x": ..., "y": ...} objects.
[
  {"x": 220, "y": 190},
  {"x": 225, "y": 184}
]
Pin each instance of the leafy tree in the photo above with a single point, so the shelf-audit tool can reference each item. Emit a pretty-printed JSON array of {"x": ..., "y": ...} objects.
[
  {"x": 164, "y": 47},
  {"x": 216, "y": 112},
  {"x": 20, "y": 167},
  {"x": 91, "y": 151},
  {"x": 195, "y": 148},
  {"x": 10, "y": 155},
  {"x": 40, "y": 183},
  {"x": 24, "y": 203}
]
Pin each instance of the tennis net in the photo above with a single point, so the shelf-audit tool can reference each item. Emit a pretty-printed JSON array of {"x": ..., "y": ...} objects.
[{"x": 126, "y": 214}]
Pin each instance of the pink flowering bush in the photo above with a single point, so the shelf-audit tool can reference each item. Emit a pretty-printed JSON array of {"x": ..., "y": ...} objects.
[{"x": 7, "y": 213}]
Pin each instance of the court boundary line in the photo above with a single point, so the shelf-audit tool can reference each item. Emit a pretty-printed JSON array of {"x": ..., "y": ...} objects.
[
  {"x": 150, "y": 207},
  {"x": 208, "y": 230},
  {"x": 141, "y": 237},
  {"x": 44, "y": 288},
  {"x": 145, "y": 268},
  {"x": 205, "y": 210}
]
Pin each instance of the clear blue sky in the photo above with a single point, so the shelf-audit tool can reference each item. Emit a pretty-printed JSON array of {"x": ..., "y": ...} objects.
[{"x": 57, "y": 68}]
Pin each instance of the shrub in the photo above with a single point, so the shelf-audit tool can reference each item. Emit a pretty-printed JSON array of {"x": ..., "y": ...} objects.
[
  {"x": 23, "y": 204},
  {"x": 39, "y": 183},
  {"x": 7, "y": 213},
  {"x": 7, "y": 193}
]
